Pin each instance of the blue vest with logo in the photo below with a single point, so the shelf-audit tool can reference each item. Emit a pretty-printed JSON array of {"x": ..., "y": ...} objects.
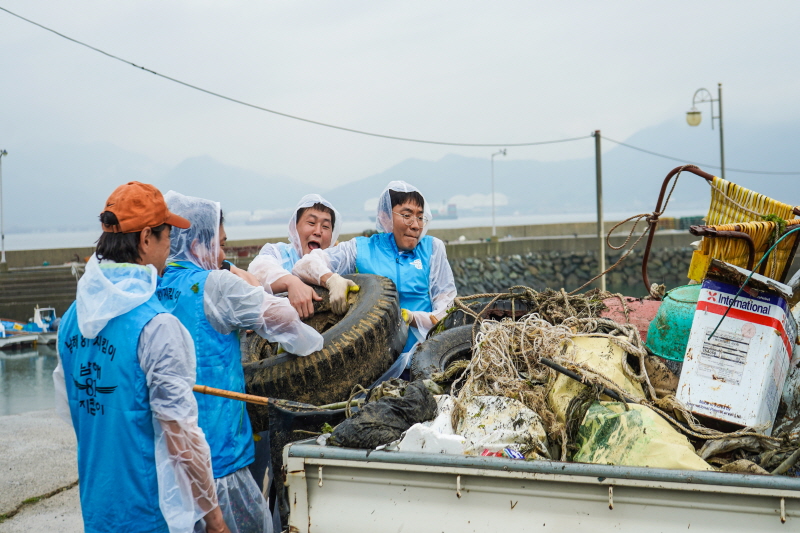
[
  {"x": 219, "y": 364},
  {"x": 410, "y": 270},
  {"x": 288, "y": 255},
  {"x": 110, "y": 408}
]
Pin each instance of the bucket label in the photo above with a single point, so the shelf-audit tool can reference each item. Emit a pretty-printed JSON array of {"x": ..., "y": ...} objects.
[
  {"x": 724, "y": 356},
  {"x": 763, "y": 309}
]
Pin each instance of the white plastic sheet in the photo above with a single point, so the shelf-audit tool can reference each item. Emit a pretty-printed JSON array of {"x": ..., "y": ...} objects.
[{"x": 495, "y": 422}]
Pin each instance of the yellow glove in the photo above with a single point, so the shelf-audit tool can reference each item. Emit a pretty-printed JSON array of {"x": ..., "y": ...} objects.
[
  {"x": 406, "y": 314},
  {"x": 338, "y": 287}
]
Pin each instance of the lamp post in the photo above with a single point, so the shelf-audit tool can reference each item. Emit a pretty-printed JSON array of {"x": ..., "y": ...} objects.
[
  {"x": 494, "y": 228},
  {"x": 693, "y": 118},
  {"x": 3, "y": 265}
]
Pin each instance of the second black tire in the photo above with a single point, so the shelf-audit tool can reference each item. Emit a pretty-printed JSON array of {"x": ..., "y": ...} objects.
[{"x": 437, "y": 352}]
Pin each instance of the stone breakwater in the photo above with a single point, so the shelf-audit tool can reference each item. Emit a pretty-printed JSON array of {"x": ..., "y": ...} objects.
[{"x": 570, "y": 270}]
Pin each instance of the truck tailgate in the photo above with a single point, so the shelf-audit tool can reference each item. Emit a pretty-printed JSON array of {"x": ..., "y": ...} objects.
[{"x": 338, "y": 489}]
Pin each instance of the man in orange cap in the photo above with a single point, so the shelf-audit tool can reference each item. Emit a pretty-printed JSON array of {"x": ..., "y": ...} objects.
[{"x": 124, "y": 380}]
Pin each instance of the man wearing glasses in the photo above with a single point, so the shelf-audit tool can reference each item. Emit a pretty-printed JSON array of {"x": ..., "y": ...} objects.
[{"x": 399, "y": 251}]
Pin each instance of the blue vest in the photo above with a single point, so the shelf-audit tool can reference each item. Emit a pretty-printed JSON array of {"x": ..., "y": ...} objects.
[
  {"x": 410, "y": 271},
  {"x": 288, "y": 255},
  {"x": 219, "y": 364},
  {"x": 110, "y": 408}
]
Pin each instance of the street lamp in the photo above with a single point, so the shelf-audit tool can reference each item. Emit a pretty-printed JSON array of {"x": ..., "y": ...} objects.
[
  {"x": 3, "y": 265},
  {"x": 503, "y": 153},
  {"x": 693, "y": 118}
]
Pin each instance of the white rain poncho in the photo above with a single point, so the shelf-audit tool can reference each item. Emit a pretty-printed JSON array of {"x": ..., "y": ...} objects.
[
  {"x": 99, "y": 299},
  {"x": 271, "y": 262},
  {"x": 307, "y": 201},
  {"x": 383, "y": 221},
  {"x": 229, "y": 301},
  {"x": 198, "y": 244},
  {"x": 166, "y": 355},
  {"x": 341, "y": 259}
]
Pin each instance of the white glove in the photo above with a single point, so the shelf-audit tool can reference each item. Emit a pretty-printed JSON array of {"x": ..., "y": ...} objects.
[{"x": 338, "y": 287}]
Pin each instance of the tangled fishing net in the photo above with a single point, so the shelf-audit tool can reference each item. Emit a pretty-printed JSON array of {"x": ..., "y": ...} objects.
[{"x": 515, "y": 359}]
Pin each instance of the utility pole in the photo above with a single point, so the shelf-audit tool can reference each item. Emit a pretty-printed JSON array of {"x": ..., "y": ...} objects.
[
  {"x": 601, "y": 256},
  {"x": 721, "y": 142},
  {"x": 3, "y": 264},
  {"x": 494, "y": 228}
]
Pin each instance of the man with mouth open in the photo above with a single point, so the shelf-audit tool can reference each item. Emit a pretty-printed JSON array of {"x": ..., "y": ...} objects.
[
  {"x": 314, "y": 225},
  {"x": 400, "y": 251}
]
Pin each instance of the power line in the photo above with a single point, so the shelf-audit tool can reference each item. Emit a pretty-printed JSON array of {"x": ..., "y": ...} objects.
[
  {"x": 701, "y": 164},
  {"x": 274, "y": 112},
  {"x": 372, "y": 134}
]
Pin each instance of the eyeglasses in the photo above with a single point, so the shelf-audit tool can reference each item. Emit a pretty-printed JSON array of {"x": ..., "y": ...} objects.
[{"x": 409, "y": 219}]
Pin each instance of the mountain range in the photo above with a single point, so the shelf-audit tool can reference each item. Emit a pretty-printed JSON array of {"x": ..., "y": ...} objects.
[{"x": 60, "y": 187}]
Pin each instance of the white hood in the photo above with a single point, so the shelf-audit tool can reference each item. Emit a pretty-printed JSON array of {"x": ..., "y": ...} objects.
[
  {"x": 384, "y": 221},
  {"x": 307, "y": 201},
  {"x": 107, "y": 290},
  {"x": 198, "y": 244}
]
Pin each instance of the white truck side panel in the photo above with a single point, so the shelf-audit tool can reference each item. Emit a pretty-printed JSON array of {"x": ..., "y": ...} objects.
[{"x": 331, "y": 495}]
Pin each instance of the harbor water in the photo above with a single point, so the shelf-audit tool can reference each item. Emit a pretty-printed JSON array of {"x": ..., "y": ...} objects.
[{"x": 26, "y": 379}]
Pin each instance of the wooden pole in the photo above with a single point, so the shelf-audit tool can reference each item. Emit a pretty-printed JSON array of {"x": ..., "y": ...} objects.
[
  {"x": 249, "y": 398},
  {"x": 260, "y": 400}
]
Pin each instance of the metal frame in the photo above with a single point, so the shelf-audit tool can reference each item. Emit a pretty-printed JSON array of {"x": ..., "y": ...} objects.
[
  {"x": 653, "y": 221},
  {"x": 709, "y": 231}
]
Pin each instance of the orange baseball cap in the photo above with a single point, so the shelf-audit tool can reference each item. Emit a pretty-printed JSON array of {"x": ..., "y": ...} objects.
[{"x": 138, "y": 206}]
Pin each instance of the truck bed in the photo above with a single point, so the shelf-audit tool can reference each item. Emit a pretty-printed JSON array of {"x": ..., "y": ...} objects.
[{"x": 339, "y": 489}]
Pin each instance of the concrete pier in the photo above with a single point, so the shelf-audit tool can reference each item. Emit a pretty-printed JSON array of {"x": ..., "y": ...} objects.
[{"x": 38, "y": 474}]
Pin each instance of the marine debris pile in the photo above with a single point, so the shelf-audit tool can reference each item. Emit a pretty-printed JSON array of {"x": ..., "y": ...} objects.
[{"x": 565, "y": 383}]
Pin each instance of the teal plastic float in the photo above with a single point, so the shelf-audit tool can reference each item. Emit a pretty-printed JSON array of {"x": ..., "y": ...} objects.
[{"x": 668, "y": 333}]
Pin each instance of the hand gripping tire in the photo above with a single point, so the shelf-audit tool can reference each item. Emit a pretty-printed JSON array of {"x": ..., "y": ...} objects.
[
  {"x": 437, "y": 352},
  {"x": 358, "y": 348}
]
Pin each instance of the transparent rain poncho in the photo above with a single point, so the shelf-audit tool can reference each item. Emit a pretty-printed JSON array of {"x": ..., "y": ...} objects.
[
  {"x": 307, "y": 201},
  {"x": 166, "y": 355},
  {"x": 341, "y": 259},
  {"x": 229, "y": 302},
  {"x": 198, "y": 244},
  {"x": 383, "y": 221},
  {"x": 271, "y": 262},
  {"x": 108, "y": 290}
]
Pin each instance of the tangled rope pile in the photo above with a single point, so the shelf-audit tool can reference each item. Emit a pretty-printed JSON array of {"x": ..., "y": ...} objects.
[{"x": 507, "y": 361}]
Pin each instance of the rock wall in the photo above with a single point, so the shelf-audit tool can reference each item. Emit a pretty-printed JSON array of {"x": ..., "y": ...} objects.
[{"x": 569, "y": 270}]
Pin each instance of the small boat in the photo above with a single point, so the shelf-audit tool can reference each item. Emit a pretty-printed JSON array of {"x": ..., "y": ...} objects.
[
  {"x": 13, "y": 338},
  {"x": 43, "y": 326},
  {"x": 44, "y": 323}
]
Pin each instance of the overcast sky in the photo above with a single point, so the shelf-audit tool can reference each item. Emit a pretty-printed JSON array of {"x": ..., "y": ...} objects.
[{"x": 475, "y": 72}]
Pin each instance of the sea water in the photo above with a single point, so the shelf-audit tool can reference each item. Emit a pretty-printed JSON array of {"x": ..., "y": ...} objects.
[
  {"x": 26, "y": 380},
  {"x": 76, "y": 239}
]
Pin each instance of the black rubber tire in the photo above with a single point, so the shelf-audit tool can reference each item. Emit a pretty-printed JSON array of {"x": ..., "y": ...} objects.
[
  {"x": 497, "y": 311},
  {"x": 357, "y": 350},
  {"x": 437, "y": 352}
]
